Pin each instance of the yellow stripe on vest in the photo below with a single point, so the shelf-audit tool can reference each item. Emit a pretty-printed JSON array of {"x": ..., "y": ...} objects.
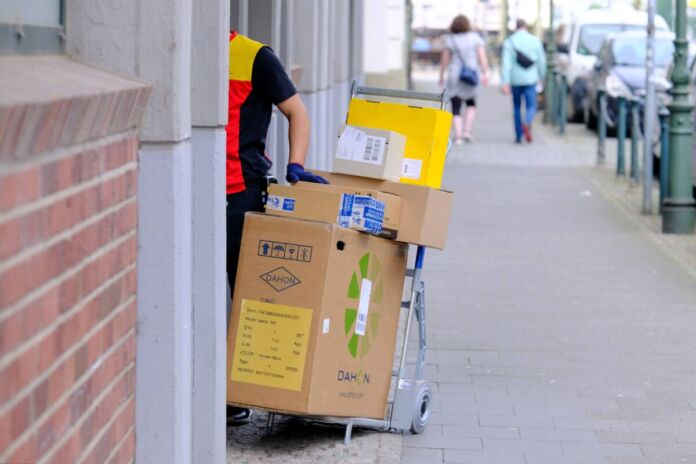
[{"x": 243, "y": 51}]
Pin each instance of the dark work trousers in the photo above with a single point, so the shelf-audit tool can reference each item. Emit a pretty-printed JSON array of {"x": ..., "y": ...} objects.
[{"x": 238, "y": 204}]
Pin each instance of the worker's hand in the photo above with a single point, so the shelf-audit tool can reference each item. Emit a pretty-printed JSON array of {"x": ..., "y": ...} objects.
[
  {"x": 506, "y": 89},
  {"x": 296, "y": 173}
]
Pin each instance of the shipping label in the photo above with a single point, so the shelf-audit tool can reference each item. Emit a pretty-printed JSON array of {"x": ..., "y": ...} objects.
[
  {"x": 278, "y": 203},
  {"x": 271, "y": 345},
  {"x": 363, "y": 306},
  {"x": 356, "y": 145},
  {"x": 411, "y": 168}
]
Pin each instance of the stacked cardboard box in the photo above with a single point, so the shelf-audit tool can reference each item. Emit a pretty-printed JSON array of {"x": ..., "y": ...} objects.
[{"x": 317, "y": 302}]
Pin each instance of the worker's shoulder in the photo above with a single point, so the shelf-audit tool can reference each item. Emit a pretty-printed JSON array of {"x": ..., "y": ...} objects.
[{"x": 243, "y": 43}]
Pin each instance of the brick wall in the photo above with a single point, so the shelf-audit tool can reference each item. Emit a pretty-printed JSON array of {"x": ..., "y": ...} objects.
[{"x": 68, "y": 244}]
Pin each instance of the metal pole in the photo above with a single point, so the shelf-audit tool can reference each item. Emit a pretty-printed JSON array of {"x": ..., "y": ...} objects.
[
  {"x": 554, "y": 98},
  {"x": 621, "y": 139},
  {"x": 664, "y": 154},
  {"x": 601, "y": 128},
  {"x": 649, "y": 112},
  {"x": 678, "y": 213},
  {"x": 562, "y": 116},
  {"x": 550, "y": 66},
  {"x": 635, "y": 134}
]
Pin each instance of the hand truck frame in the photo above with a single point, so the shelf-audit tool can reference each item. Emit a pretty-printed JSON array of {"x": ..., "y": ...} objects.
[{"x": 411, "y": 406}]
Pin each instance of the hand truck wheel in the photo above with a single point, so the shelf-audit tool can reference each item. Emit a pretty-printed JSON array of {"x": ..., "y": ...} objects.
[{"x": 422, "y": 409}]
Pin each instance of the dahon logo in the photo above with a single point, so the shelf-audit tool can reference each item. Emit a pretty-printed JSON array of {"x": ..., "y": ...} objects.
[{"x": 280, "y": 279}]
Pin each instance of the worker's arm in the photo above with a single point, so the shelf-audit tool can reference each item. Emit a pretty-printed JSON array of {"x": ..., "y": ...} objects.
[
  {"x": 299, "y": 125},
  {"x": 298, "y": 136}
]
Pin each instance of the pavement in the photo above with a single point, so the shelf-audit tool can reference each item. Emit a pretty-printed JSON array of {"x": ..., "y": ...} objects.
[{"x": 560, "y": 320}]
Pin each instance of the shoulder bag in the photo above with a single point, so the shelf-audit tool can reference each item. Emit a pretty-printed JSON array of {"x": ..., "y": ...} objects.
[
  {"x": 521, "y": 58},
  {"x": 467, "y": 75}
]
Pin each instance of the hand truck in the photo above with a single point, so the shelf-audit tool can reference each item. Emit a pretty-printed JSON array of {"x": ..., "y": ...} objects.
[{"x": 411, "y": 406}]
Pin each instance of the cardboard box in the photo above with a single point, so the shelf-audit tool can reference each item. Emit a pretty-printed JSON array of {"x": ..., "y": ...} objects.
[
  {"x": 425, "y": 211},
  {"x": 367, "y": 152},
  {"x": 321, "y": 202},
  {"x": 314, "y": 318},
  {"x": 426, "y": 130}
]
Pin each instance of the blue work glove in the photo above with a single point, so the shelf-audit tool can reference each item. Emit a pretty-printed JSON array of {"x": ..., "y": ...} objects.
[{"x": 296, "y": 173}]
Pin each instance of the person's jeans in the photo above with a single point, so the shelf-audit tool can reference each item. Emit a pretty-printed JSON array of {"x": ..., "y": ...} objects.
[{"x": 529, "y": 94}]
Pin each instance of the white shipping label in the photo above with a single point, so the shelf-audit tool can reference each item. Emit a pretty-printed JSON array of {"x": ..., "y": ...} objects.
[
  {"x": 356, "y": 145},
  {"x": 326, "y": 327},
  {"x": 374, "y": 150},
  {"x": 363, "y": 306},
  {"x": 274, "y": 202},
  {"x": 411, "y": 168}
]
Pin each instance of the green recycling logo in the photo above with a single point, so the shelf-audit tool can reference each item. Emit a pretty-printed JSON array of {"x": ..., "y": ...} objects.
[{"x": 362, "y": 331}]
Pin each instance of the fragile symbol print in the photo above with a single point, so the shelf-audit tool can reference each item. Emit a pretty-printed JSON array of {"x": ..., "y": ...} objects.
[{"x": 366, "y": 286}]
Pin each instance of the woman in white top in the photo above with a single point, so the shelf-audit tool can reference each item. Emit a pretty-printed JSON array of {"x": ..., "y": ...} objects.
[{"x": 463, "y": 47}]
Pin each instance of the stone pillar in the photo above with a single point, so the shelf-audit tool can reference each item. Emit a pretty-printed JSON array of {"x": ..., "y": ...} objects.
[
  {"x": 209, "y": 89},
  {"x": 153, "y": 41}
]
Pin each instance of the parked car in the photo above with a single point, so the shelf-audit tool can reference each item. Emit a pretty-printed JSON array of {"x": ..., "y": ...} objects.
[
  {"x": 620, "y": 70},
  {"x": 579, "y": 43}
]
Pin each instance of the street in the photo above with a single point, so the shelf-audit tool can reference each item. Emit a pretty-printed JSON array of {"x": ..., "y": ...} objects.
[{"x": 560, "y": 321}]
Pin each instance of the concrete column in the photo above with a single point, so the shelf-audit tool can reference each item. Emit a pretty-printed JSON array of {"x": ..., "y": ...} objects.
[
  {"x": 239, "y": 16},
  {"x": 306, "y": 40},
  {"x": 357, "y": 39},
  {"x": 164, "y": 343},
  {"x": 153, "y": 41},
  {"x": 209, "y": 88}
]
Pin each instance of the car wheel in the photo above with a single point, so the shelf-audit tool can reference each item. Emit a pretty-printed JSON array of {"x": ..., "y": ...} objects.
[
  {"x": 575, "y": 113},
  {"x": 589, "y": 117}
]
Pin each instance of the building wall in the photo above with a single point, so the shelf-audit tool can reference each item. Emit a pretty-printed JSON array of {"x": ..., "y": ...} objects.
[{"x": 68, "y": 278}]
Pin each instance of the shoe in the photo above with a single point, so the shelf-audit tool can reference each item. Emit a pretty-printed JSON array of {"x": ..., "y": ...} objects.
[
  {"x": 527, "y": 132},
  {"x": 238, "y": 416},
  {"x": 518, "y": 141},
  {"x": 468, "y": 137},
  {"x": 458, "y": 141}
]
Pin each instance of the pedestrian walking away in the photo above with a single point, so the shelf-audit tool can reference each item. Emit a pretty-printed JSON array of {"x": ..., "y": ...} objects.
[
  {"x": 523, "y": 68},
  {"x": 257, "y": 81},
  {"x": 464, "y": 62}
]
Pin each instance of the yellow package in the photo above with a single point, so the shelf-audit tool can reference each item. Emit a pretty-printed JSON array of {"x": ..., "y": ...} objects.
[{"x": 426, "y": 131}]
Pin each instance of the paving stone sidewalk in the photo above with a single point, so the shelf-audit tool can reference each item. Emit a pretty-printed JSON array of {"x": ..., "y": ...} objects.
[{"x": 560, "y": 321}]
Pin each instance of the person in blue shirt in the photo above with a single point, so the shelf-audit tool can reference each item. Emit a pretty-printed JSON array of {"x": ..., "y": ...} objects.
[{"x": 524, "y": 66}]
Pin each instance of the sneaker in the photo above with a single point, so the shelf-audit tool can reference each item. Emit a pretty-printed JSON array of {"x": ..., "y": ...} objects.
[
  {"x": 458, "y": 141},
  {"x": 468, "y": 137},
  {"x": 527, "y": 132},
  {"x": 238, "y": 416}
]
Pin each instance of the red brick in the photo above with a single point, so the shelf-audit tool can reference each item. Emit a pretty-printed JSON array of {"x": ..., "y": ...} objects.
[
  {"x": 12, "y": 331},
  {"x": 26, "y": 452},
  {"x": 10, "y": 238},
  {"x": 18, "y": 374},
  {"x": 126, "y": 451},
  {"x": 37, "y": 269},
  {"x": 19, "y": 188}
]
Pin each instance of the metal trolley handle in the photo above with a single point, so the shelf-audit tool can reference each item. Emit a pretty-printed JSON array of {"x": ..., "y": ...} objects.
[{"x": 441, "y": 97}]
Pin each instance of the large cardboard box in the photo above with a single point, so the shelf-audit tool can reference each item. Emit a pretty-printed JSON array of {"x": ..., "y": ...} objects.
[
  {"x": 366, "y": 152},
  {"x": 314, "y": 318},
  {"x": 425, "y": 211},
  {"x": 426, "y": 130},
  {"x": 321, "y": 202}
]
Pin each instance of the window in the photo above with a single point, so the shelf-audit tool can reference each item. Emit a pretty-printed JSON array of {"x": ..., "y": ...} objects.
[
  {"x": 592, "y": 36},
  {"x": 31, "y": 27}
]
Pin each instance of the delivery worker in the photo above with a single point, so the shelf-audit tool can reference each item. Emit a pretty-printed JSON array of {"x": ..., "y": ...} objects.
[{"x": 257, "y": 81}]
